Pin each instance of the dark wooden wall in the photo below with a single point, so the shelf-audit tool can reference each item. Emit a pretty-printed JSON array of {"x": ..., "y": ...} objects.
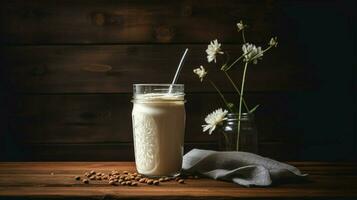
[{"x": 67, "y": 68}]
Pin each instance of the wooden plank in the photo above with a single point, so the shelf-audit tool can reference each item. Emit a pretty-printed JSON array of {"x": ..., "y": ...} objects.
[
  {"x": 103, "y": 118},
  {"x": 139, "y": 21},
  {"x": 121, "y": 151},
  {"x": 34, "y": 180},
  {"x": 114, "y": 68}
]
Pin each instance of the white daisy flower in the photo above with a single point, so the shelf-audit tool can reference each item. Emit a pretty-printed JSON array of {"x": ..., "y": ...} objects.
[
  {"x": 273, "y": 41},
  {"x": 212, "y": 50},
  {"x": 252, "y": 53},
  {"x": 240, "y": 25},
  {"x": 213, "y": 119},
  {"x": 201, "y": 72}
]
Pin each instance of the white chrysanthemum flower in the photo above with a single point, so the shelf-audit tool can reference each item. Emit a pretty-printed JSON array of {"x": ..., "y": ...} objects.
[
  {"x": 213, "y": 119},
  {"x": 273, "y": 42},
  {"x": 252, "y": 53},
  {"x": 240, "y": 25},
  {"x": 212, "y": 50},
  {"x": 201, "y": 72}
]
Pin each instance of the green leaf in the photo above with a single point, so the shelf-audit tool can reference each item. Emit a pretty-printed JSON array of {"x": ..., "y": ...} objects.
[{"x": 253, "y": 109}]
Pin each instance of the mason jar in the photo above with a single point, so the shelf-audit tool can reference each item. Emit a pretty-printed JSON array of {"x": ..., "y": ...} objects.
[
  {"x": 158, "y": 119},
  {"x": 248, "y": 137}
]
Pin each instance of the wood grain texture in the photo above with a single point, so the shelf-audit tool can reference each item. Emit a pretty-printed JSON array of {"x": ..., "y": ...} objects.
[
  {"x": 101, "y": 118},
  {"x": 67, "y": 69},
  {"x": 114, "y": 68},
  {"x": 139, "y": 21},
  {"x": 34, "y": 180}
]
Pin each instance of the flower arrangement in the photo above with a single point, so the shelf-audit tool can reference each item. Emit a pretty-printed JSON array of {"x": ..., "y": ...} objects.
[{"x": 250, "y": 54}]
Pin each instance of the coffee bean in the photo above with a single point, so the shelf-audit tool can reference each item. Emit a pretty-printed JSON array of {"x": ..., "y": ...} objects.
[
  {"x": 112, "y": 183},
  {"x": 92, "y": 172},
  {"x": 134, "y": 174},
  {"x": 177, "y": 178},
  {"x": 134, "y": 183},
  {"x": 181, "y": 181},
  {"x": 142, "y": 180},
  {"x": 122, "y": 177},
  {"x": 156, "y": 182},
  {"x": 128, "y": 182},
  {"x": 149, "y": 181},
  {"x": 92, "y": 177},
  {"x": 98, "y": 178},
  {"x": 166, "y": 179},
  {"x": 123, "y": 183},
  {"x": 77, "y": 178},
  {"x": 125, "y": 172},
  {"x": 87, "y": 174},
  {"x": 86, "y": 181},
  {"x": 137, "y": 178},
  {"x": 161, "y": 179}
]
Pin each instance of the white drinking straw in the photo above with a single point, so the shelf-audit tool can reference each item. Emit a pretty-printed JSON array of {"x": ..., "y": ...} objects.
[{"x": 178, "y": 70}]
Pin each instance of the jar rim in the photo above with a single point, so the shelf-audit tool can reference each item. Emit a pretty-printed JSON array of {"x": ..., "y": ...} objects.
[
  {"x": 244, "y": 116},
  {"x": 157, "y": 84}
]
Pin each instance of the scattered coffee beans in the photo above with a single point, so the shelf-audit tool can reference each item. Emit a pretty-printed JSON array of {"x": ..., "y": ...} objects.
[
  {"x": 116, "y": 178},
  {"x": 150, "y": 181}
]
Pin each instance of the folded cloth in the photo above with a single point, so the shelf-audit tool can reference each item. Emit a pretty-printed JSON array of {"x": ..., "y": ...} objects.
[{"x": 243, "y": 168}]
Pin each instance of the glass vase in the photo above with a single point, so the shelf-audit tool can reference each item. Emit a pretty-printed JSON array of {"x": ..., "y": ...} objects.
[{"x": 248, "y": 139}]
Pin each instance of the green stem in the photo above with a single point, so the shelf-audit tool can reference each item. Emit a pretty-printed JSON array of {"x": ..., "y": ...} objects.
[
  {"x": 220, "y": 94},
  {"x": 243, "y": 36},
  {"x": 240, "y": 103},
  {"x": 240, "y": 57},
  {"x": 237, "y": 90}
]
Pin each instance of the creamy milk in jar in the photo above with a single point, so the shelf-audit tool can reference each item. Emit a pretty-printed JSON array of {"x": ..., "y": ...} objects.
[{"x": 158, "y": 128}]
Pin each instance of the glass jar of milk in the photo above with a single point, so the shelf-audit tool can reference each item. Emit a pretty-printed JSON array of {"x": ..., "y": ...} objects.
[{"x": 158, "y": 128}]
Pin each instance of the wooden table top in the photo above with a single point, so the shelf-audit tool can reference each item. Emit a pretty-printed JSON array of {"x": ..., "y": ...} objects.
[{"x": 56, "y": 180}]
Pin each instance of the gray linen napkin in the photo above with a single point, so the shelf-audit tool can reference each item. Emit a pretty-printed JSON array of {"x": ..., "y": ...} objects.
[{"x": 243, "y": 168}]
